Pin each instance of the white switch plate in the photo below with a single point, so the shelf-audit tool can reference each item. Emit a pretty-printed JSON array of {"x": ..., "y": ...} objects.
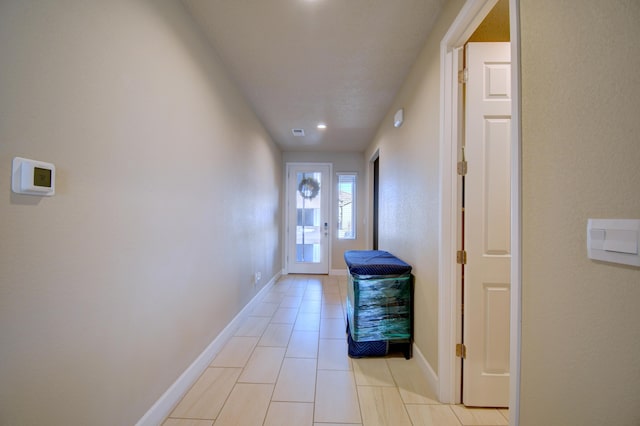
[{"x": 614, "y": 240}]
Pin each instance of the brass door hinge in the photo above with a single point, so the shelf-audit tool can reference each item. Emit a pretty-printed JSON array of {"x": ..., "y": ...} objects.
[
  {"x": 462, "y": 165},
  {"x": 461, "y": 351},
  {"x": 462, "y": 168},
  {"x": 461, "y": 257},
  {"x": 463, "y": 76}
]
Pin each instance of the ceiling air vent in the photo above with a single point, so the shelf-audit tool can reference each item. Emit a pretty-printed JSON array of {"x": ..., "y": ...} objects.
[{"x": 297, "y": 132}]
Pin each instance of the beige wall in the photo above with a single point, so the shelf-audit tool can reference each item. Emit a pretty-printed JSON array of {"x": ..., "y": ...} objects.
[
  {"x": 409, "y": 182},
  {"x": 580, "y": 103},
  {"x": 168, "y": 199},
  {"x": 341, "y": 162},
  {"x": 581, "y": 157}
]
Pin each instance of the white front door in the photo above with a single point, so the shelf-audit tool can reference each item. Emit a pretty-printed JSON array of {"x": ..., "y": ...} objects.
[
  {"x": 487, "y": 226},
  {"x": 308, "y": 197}
]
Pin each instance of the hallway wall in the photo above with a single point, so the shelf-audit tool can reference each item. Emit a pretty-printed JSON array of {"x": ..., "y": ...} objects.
[
  {"x": 580, "y": 127},
  {"x": 409, "y": 181},
  {"x": 168, "y": 199},
  {"x": 581, "y": 152}
]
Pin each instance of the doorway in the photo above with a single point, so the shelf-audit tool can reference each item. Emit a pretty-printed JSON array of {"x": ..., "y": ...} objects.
[
  {"x": 485, "y": 213},
  {"x": 307, "y": 218},
  {"x": 376, "y": 200},
  {"x": 449, "y": 373}
]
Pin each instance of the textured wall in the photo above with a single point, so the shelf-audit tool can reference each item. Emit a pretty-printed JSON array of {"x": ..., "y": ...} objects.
[
  {"x": 581, "y": 151},
  {"x": 168, "y": 199},
  {"x": 409, "y": 181}
]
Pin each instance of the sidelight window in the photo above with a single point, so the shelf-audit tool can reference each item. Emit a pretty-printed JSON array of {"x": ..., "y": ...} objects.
[{"x": 346, "y": 206}]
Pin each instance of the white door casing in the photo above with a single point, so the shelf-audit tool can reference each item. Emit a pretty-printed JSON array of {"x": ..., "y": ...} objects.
[
  {"x": 487, "y": 226},
  {"x": 308, "y": 195},
  {"x": 447, "y": 381}
]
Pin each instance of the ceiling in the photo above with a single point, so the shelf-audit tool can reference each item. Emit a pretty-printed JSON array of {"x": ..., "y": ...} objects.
[{"x": 303, "y": 62}]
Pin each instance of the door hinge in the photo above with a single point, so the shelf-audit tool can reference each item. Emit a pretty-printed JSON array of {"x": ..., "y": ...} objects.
[
  {"x": 461, "y": 351},
  {"x": 463, "y": 76},
  {"x": 461, "y": 257},
  {"x": 462, "y": 164},
  {"x": 462, "y": 168}
]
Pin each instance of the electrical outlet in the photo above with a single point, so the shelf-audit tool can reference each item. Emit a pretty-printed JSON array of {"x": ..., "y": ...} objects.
[{"x": 256, "y": 277}]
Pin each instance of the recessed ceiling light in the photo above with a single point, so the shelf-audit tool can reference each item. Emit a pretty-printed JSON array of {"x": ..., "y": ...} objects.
[{"x": 322, "y": 126}]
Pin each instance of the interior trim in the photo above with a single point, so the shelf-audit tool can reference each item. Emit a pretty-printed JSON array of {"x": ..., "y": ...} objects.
[
  {"x": 471, "y": 14},
  {"x": 428, "y": 371}
]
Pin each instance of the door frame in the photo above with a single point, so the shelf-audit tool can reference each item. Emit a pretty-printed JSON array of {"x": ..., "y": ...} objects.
[
  {"x": 470, "y": 16},
  {"x": 288, "y": 200}
]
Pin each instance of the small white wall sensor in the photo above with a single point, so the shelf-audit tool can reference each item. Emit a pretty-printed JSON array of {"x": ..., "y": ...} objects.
[
  {"x": 398, "y": 119},
  {"x": 33, "y": 177}
]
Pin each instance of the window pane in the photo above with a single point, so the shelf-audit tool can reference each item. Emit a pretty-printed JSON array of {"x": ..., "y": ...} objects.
[{"x": 346, "y": 206}]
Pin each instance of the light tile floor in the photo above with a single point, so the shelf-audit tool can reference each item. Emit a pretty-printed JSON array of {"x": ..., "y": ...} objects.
[{"x": 287, "y": 364}]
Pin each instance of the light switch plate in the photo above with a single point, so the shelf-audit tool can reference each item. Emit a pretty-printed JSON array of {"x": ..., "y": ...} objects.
[{"x": 614, "y": 240}]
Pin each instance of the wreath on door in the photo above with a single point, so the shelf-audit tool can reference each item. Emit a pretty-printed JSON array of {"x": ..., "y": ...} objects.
[{"x": 309, "y": 188}]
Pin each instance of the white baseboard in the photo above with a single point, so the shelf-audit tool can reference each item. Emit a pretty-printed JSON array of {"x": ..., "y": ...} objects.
[
  {"x": 338, "y": 272},
  {"x": 163, "y": 406},
  {"x": 430, "y": 374}
]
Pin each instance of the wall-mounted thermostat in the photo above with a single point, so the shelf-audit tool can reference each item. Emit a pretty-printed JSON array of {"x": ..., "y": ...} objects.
[{"x": 33, "y": 177}]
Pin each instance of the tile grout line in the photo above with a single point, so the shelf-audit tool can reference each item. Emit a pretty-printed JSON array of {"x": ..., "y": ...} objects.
[
  {"x": 273, "y": 388},
  {"x": 315, "y": 387}
]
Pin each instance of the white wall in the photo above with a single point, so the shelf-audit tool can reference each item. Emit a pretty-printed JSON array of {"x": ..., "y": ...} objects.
[
  {"x": 168, "y": 199},
  {"x": 581, "y": 157},
  {"x": 409, "y": 184},
  {"x": 343, "y": 162}
]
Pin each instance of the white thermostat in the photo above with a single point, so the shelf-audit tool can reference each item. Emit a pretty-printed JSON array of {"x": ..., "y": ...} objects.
[{"x": 33, "y": 177}]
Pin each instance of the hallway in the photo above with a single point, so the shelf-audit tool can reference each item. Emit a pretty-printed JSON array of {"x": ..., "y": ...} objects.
[{"x": 288, "y": 365}]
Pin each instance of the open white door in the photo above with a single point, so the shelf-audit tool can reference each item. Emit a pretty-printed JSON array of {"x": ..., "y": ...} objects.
[
  {"x": 308, "y": 195},
  {"x": 487, "y": 226}
]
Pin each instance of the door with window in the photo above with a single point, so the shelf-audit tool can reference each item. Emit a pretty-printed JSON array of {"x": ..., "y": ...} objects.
[{"x": 308, "y": 195}]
